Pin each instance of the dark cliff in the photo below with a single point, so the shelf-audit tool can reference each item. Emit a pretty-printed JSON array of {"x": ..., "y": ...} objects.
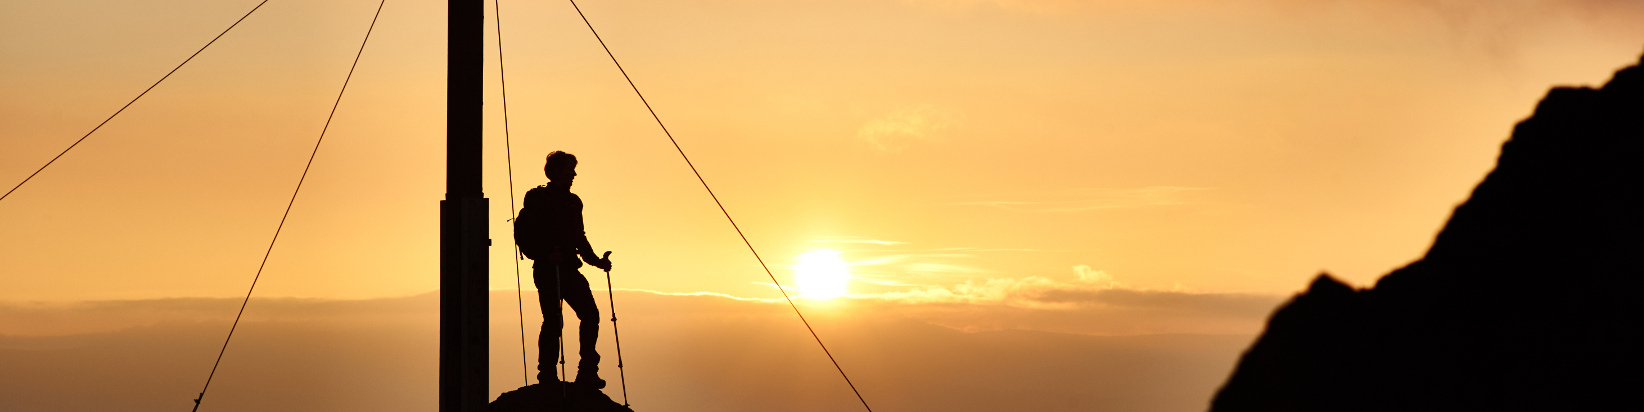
[{"x": 1528, "y": 299}]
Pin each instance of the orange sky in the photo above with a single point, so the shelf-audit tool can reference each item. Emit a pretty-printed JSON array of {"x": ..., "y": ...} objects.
[
  {"x": 1190, "y": 145},
  {"x": 1032, "y": 169}
]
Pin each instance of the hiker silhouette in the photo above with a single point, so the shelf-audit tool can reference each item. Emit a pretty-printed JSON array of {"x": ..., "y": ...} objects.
[{"x": 549, "y": 231}]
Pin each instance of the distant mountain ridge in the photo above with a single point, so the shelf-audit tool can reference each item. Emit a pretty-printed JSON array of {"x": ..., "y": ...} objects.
[{"x": 1528, "y": 299}]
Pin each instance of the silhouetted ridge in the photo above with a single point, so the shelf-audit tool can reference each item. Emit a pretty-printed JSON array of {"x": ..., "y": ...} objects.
[
  {"x": 549, "y": 398},
  {"x": 1528, "y": 300}
]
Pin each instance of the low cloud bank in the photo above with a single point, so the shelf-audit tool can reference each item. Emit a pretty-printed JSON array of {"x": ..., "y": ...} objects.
[
  {"x": 69, "y": 318},
  {"x": 1091, "y": 304},
  {"x": 685, "y": 352}
]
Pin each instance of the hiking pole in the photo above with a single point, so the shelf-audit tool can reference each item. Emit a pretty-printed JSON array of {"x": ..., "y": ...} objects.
[
  {"x": 611, "y": 292},
  {"x": 559, "y": 299}
]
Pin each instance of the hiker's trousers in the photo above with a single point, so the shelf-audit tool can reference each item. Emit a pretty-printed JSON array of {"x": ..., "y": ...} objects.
[{"x": 570, "y": 285}]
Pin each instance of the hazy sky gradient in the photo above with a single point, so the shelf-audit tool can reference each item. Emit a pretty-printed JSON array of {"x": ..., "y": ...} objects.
[
  {"x": 1118, "y": 190},
  {"x": 1212, "y": 146}
]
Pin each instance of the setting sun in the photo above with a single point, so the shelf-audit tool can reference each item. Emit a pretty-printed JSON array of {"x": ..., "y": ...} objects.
[{"x": 820, "y": 274}]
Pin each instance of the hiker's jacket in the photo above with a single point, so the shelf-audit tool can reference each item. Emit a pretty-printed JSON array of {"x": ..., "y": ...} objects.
[{"x": 559, "y": 224}]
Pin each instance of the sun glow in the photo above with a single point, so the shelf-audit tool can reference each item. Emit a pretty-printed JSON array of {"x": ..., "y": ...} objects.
[{"x": 821, "y": 275}]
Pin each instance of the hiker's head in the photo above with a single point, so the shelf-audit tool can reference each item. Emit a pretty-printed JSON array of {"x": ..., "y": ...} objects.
[{"x": 561, "y": 167}]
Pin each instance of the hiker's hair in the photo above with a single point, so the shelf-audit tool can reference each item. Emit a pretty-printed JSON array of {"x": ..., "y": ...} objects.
[{"x": 557, "y": 161}]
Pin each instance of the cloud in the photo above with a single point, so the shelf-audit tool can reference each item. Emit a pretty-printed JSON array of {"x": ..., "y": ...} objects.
[
  {"x": 1457, "y": 10},
  {"x": 913, "y": 269},
  {"x": 1092, "y": 302},
  {"x": 1043, "y": 6},
  {"x": 1081, "y": 200},
  {"x": 859, "y": 240},
  {"x": 63, "y": 318},
  {"x": 1029, "y": 292},
  {"x": 942, "y": 287},
  {"x": 717, "y": 295},
  {"x": 904, "y": 127},
  {"x": 1086, "y": 301},
  {"x": 1497, "y": 28},
  {"x": 975, "y": 249},
  {"x": 683, "y": 352}
]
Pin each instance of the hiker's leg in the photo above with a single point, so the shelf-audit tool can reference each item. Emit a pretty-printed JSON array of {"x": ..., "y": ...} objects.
[
  {"x": 552, "y": 324},
  {"x": 581, "y": 299}
]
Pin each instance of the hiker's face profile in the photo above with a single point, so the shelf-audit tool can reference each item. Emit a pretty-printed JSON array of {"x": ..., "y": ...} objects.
[{"x": 564, "y": 175}]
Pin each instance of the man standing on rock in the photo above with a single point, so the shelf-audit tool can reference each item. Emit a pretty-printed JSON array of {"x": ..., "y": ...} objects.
[{"x": 549, "y": 231}]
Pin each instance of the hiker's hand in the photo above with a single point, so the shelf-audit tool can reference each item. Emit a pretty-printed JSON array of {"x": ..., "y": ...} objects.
[
  {"x": 554, "y": 257},
  {"x": 604, "y": 262}
]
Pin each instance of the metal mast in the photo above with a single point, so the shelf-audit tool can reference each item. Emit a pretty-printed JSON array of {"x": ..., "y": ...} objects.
[{"x": 464, "y": 237}]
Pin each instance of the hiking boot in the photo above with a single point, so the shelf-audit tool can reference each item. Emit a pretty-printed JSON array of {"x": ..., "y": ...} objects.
[{"x": 590, "y": 380}]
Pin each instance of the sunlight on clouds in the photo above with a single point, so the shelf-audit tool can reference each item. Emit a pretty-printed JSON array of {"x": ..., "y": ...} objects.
[
  {"x": 885, "y": 266},
  {"x": 1091, "y": 302},
  {"x": 943, "y": 287},
  {"x": 1027, "y": 292},
  {"x": 1081, "y": 200},
  {"x": 942, "y": 268},
  {"x": 859, "y": 240},
  {"x": 913, "y": 269},
  {"x": 904, "y": 127},
  {"x": 1086, "y": 274}
]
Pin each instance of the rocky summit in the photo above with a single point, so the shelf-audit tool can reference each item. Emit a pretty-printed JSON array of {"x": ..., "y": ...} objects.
[
  {"x": 555, "y": 397},
  {"x": 1529, "y": 298}
]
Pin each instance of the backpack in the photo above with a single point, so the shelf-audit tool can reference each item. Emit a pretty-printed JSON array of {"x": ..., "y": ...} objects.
[{"x": 528, "y": 233}]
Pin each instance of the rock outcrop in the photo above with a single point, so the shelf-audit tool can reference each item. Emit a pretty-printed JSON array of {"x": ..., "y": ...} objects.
[
  {"x": 1529, "y": 299},
  {"x": 550, "y": 398}
]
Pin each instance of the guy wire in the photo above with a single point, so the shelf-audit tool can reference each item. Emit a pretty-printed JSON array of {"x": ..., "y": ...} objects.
[
  {"x": 288, "y": 205},
  {"x": 721, "y": 206},
  {"x": 508, "y": 149},
  {"x": 133, "y": 100}
]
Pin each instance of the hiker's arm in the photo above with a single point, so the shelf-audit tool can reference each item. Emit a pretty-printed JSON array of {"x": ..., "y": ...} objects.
[
  {"x": 587, "y": 253},
  {"x": 583, "y": 248}
]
